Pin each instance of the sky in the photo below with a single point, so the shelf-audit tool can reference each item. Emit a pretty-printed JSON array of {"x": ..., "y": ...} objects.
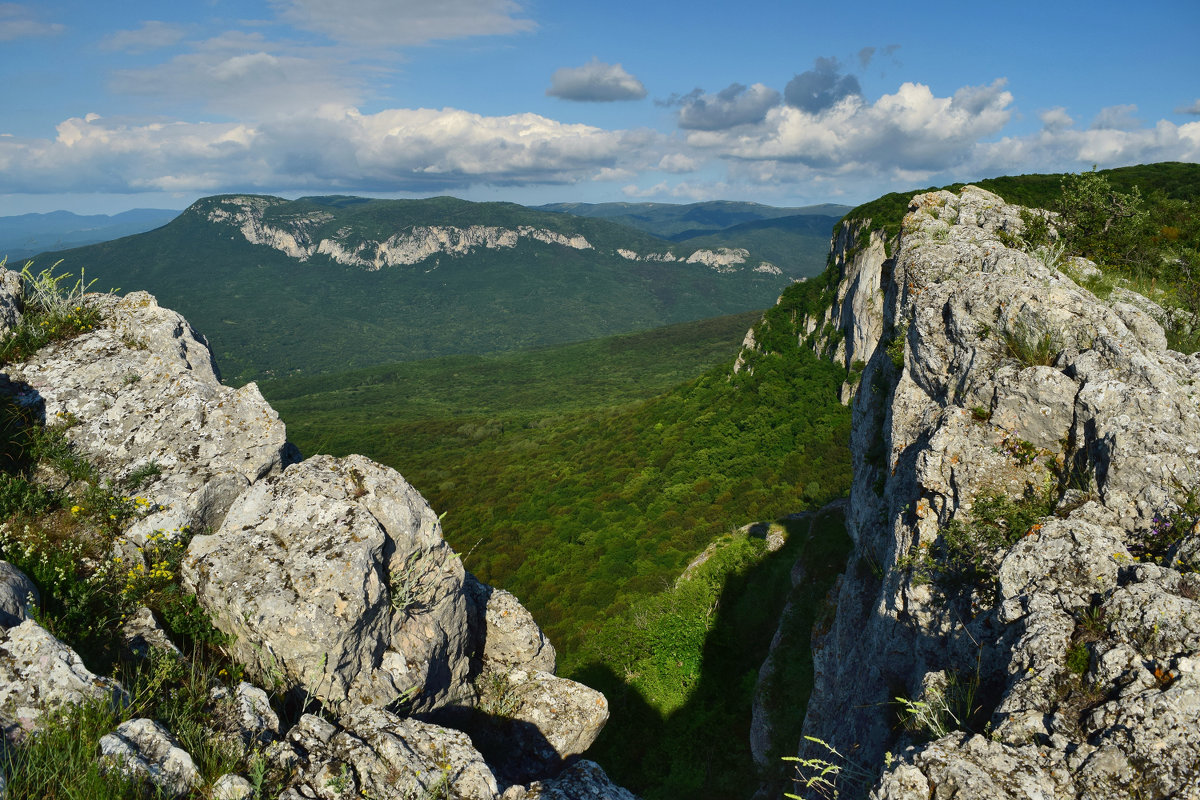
[{"x": 116, "y": 105}]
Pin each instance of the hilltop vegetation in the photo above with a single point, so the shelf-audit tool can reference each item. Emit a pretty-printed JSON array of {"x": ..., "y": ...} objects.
[{"x": 266, "y": 313}]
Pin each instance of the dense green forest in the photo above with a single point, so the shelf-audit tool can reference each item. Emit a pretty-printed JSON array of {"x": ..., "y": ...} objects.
[{"x": 585, "y": 478}]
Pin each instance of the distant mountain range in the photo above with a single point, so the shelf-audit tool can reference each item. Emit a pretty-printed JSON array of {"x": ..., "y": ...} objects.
[
  {"x": 325, "y": 283},
  {"x": 795, "y": 239},
  {"x": 26, "y": 235}
]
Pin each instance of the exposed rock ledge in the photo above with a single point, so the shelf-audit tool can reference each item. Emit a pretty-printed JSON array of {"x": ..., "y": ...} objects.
[
  {"x": 331, "y": 573},
  {"x": 1086, "y": 657}
]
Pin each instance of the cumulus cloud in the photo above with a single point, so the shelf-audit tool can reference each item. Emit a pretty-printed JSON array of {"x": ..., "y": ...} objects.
[
  {"x": 391, "y": 23},
  {"x": 595, "y": 81},
  {"x": 1070, "y": 149},
  {"x": 734, "y": 105},
  {"x": 911, "y": 129},
  {"x": 334, "y": 149},
  {"x": 820, "y": 87},
  {"x": 19, "y": 21},
  {"x": 677, "y": 163},
  {"x": 1117, "y": 118},
  {"x": 153, "y": 35},
  {"x": 1056, "y": 119},
  {"x": 1194, "y": 108}
]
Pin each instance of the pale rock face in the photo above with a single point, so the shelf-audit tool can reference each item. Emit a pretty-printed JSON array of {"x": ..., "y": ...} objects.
[
  {"x": 511, "y": 638},
  {"x": 142, "y": 390},
  {"x": 546, "y": 721},
  {"x": 11, "y": 301},
  {"x": 583, "y": 780},
  {"x": 143, "y": 747},
  {"x": 38, "y": 673},
  {"x": 308, "y": 572},
  {"x": 723, "y": 259},
  {"x": 1108, "y": 422},
  {"x": 419, "y": 243},
  {"x": 856, "y": 311},
  {"x": 373, "y": 753}
]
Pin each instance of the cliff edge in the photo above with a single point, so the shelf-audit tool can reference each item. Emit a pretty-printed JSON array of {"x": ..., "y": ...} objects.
[
  {"x": 1021, "y": 613},
  {"x": 328, "y": 580}
]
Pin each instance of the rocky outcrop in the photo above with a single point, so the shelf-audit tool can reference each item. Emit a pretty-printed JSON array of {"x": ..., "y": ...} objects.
[
  {"x": 848, "y": 327},
  {"x": 330, "y": 575},
  {"x": 1026, "y": 463},
  {"x": 141, "y": 393},
  {"x": 333, "y": 579},
  {"x": 18, "y": 596},
  {"x": 722, "y": 259}
]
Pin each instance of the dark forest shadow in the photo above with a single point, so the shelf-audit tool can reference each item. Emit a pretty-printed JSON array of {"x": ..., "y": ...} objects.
[{"x": 702, "y": 750}]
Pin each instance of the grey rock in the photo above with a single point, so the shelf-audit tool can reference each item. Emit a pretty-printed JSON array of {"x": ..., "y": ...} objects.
[
  {"x": 511, "y": 637},
  {"x": 960, "y": 766},
  {"x": 376, "y": 754},
  {"x": 583, "y": 780},
  {"x": 335, "y": 581},
  {"x": 537, "y": 722},
  {"x": 142, "y": 390},
  {"x": 18, "y": 596},
  {"x": 142, "y": 634},
  {"x": 38, "y": 674},
  {"x": 245, "y": 713},
  {"x": 12, "y": 302},
  {"x": 1017, "y": 381},
  {"x": 232, "y": 787},
  {"x": 143, "y": 747}
]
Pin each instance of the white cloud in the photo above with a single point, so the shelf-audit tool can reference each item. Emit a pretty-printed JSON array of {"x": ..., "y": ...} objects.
[
  {"x": 675, "y": 192},
  {"x": 734, "y": 105},
  {"x": 677, "y": 163},
  {"x": 1070, "y": 149},
  {"x": 18, "y": 21},
  {"x": 911, "y": 129},
  {"x": 1055, "y": 119},
  {"x": 153, "y": 35},
  {"x": 1117, "y": 118},
  {"x": 1194, "y": 108},
  {"x": 595, "y": 81},
  {"x": 332, "y": 148},
  {"x": 397, "y": 23}
]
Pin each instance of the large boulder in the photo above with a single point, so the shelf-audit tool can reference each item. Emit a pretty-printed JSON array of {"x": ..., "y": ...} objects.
[
  {"x": 334, "y": 581},
  {"x": 509, "y": 635},
  {"x": 40, "y": 674}
]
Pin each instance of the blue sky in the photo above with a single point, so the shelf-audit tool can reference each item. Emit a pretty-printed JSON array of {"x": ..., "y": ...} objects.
[{"x": 110, "y": 106}]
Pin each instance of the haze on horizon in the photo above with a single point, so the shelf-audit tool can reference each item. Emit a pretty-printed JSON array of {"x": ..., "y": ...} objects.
[{"x": 113, "y": 106}]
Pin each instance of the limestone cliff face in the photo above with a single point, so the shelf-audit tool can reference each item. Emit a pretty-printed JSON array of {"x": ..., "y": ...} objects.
[
  {"x": 1024, "y": 453},
  {"x": 331, "y": 575},
  {"x": 297, "y": 236}
]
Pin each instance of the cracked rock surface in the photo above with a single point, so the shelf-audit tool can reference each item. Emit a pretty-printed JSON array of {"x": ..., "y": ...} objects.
[{"x": 997, "y": 377}]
